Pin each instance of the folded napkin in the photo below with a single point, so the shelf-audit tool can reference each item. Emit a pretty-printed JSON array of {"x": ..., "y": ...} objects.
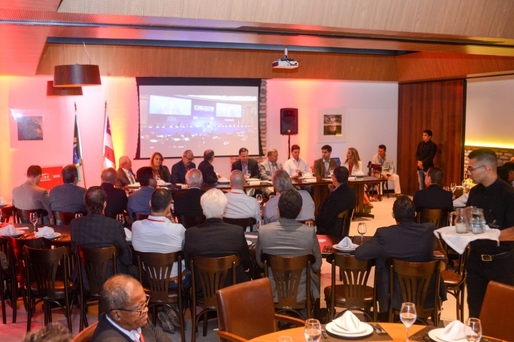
[
  {"x": 348, "y": 322},
  {"x": 128, "y": 234},
  {"x": 346, "y": 242},
  {"x": 456, "y": 330},
  {"x": 8, "y": 230},
  {"x": 459, "y": 241},
  {"x": 45, "y": 232}
]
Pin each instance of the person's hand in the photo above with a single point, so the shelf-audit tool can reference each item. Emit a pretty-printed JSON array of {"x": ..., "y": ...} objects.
[{"x": 420, "y": 164}]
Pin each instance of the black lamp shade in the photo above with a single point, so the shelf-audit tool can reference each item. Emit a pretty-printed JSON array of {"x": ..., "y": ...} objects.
[
  {"x": 76, "y": 75},
  {"x": 62, "y": 91}
]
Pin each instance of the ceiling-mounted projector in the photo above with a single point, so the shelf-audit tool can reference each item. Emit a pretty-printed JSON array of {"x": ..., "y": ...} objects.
[{"x": 285, "y": 63}]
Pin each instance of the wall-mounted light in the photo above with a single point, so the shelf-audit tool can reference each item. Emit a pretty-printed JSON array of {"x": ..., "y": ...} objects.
[{"x": 62, "y": 91}]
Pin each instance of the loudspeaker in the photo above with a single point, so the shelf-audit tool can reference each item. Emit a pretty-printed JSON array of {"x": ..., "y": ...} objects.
[{"x": 288, "y": 121}]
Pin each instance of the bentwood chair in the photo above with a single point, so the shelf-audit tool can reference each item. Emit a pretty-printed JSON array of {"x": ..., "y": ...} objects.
[
  {"x": 439, "y": 217},
  {"x": 346, "y": 220},
  {"x": 191, "y": 221},
  {"x": 64, "y": 217},
  {"x": 497, "y": 311},
  {"x": 96, "y": 266},
  {"x": 352, "y": 293},
  {"x": 242, "y": 222},
  {"x": 86, "y": 334},
  {"x": 7, "y": 212},
  {"x": 212, "y": 273},
  {"x": 7, "y": 278},
  {"x": 287, "y": 272},
  {"x": 455, "y": 281},
  {"x": 155, "y": 273},
  {"x": 23, "y": 216},
  {"x": 246, "y": 311},
  {"x": 42, "y": 282}
]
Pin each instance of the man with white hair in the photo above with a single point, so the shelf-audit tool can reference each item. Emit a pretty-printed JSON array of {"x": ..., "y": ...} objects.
[
  {"x": 125, "y": 176},
  {"x": 187, "y": 202},
  {"x": 239, "y": 205},
  {"x": 216, "y": 238}
]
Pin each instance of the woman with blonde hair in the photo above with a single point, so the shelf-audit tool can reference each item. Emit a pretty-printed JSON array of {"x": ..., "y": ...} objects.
[
  {"x": 160, "y": 171},
  {"x": 354, "y": 165}
]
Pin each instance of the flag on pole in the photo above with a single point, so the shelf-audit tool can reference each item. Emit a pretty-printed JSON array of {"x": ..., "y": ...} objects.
[
  {"x": 77, "y": 149},
  {"x": 109, "y": 160}
]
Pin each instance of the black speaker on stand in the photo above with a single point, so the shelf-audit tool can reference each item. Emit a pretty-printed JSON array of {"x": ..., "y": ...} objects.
[{"x": 288, "y": 125}]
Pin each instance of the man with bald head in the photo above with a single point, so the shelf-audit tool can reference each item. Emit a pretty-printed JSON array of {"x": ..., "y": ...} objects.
[
  {"x": 116, "y": 198},
  {"x": 125, "y": 176},
  {"x": 187, "y": 202},
  {"x": 125, "y": 316},
  {"x": 239, "y": 204},
  {"x": 179, "y": 169}
]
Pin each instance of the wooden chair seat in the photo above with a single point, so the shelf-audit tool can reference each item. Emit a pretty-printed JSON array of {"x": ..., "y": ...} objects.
[{"x": 86, "y": 334}]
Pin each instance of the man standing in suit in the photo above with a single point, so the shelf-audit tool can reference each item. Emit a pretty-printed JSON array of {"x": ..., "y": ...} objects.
[
  {"x": 248, "y": 166},
  {"x": 187, "y": 202},
  {"x": 95, "y": 230},
  {"x": 125, "y": 176},
  {"x": 340, "y": 199},
  {"x": 179, "y": 169},
  {"x": 323, "y": 165},
  {"x": 425, "y": 154},
  {"x": 29, "y": 196},
  {"x": 125, "y": 317},
  {"x": 139, "y": 201},
  {"x": 433, "y": 196},
  {"x": 68, "y": 197},
  {"x": 407, "y": 241},
  {"x": 116, "y": 198}
]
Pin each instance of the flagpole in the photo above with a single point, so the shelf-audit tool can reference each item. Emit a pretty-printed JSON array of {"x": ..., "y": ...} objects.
[{"x": 81, "y": 161}]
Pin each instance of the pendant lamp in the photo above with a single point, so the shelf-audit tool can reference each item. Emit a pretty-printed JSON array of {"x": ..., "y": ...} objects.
[{"x": 62, "y": 91}]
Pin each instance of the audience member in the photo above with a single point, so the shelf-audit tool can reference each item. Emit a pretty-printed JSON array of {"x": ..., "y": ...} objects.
[
  {"x": 489, "y": 260},
  {"x": 282, "y": 183},
  {"x": 425, "y": 154},
  {"x": 125, "y": 317},
  {"x": 239, "y": 205},
  {"x": 160, "y": 171},
  {"x": 340, "y": 199},
  {"x": 206, "y": 168},
  {"x": 433, "y": 196},
  {"x": 53, "y": 332},
  {"x": 125, "y": 176},
  {"x": 509, "y": 168},
  {"x": 248, "y": 166},
  {"x": 269, "y": 166},
  {"x": 139, "y": 201},
  {"x": 324, "y": 165},
  {"x": 29, "y": 196},
  {"x": 295, "y": 166},
  {"x": 116, "y": 202},
  {"x": 68, "y": 197},
  {"x": 388, "y": 169},
  {"x": 97, "y": 231},
  {"x": 187, "y": 202},
  {"x": 288, "y": 237},
  {"x": 407, "y": 241},
  {"x": 179, "y": 169}
]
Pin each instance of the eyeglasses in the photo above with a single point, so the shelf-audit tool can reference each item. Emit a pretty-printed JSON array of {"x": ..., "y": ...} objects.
[
  {"x": 145, "y": 306},
  {"x": 471, "y": 168}
]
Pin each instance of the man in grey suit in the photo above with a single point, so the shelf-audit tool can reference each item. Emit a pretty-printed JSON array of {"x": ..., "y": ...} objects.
[
  {"x": 29, "y": 196},
  {"x": 267, "y": 168},
  {"x": 68, "y": 197},
  {"x": 125, "y": 176}
]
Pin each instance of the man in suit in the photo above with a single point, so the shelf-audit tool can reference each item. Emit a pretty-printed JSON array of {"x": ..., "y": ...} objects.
[
  {"x": 248, "y": 166},
  {"x": 30, "y": 196},
  {"x": 125, "y": 176},
  {"x": 433, "y": 196},
  {"x": 116, "y": 198},
  {"x": 68, "y": 197},
  {"x": 339, "y": 200},
  {"x": 268, "y": 167},
  {"x": 125, "y": 316},
  {"x": 179, "y": 169},
  {"x": 209, "y": 175},
  {"x": 425, "y": 154},
  {"x": 216, "y": 238},
  {"x": 407, "y": 241},
  {"x": 139, "y": 201},
  {"x": 323, "y": 165},
  {"x": 187, "y": 202},
  {"x": 96, "y": 230},
  {"x": 288, "y": 237}
]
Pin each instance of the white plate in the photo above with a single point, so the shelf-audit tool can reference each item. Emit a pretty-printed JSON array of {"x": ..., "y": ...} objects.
[
  {"x": 335, "y": 330},
  {"x": 434, "y": 334},
  {"x": 344, "y": 249},
  {"x": 56, "y": 235}
]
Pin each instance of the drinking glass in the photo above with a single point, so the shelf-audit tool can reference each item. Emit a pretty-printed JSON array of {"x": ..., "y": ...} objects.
[
  {"x": 33, "y": 219},
  {"x": 258, "y": 197},
  {"x": 121, "y": 218},
  {"x": 362, "y": 229},
  {"x": 408, "y": 316},
  {"x": 473, "y": 329},
  {"x": 453, "y": 187},
  {"x": 312, "y": 331},
  {"x": 77, "y": 215}
]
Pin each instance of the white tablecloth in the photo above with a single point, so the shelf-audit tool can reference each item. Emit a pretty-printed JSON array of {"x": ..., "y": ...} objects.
[{"x": 459, "y": 241}]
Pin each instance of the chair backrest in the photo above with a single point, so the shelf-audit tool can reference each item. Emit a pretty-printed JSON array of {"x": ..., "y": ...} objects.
[
  {"x": 157, "y": 267},
  {"x": 246, "y": 309},
  {"x": 212, "y": 273},
  {"x": 242, "y": 222},
  {"x": 23, "y": 216},
  {"x": 346, "y": 219},
  {"x": 7, "y": 212},
  {"x": 287, "y": 274},
  {"x": 64, "y": 217},
  {"x": 42, "y": 266},
  {"x": 439, "y": 217},
  {"x": 17, "y": 252},
  {"x": 86, "y": 334},
  {"x": 191, "y": 221},
  {"x": 97, "y": 265},
  {"x": 139, "y": 217},
  {"x": 497, "y": 311}
]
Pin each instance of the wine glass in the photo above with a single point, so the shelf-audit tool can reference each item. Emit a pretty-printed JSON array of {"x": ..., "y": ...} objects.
[
  {"x": 258, "y": 197},
  {"x": 473, "y": 329},
  {"x": 453, "y": 187},
  {"x": 121, "y": 218},
  {"x": 312, "y": 331},
  {"x": 33, "y": 219},
  {"x": 362, "y": 229},
  {"x": 408, "y": 316}
]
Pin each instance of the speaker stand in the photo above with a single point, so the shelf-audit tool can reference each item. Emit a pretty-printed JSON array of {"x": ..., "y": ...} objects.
[{"x": 288, "y": 146}]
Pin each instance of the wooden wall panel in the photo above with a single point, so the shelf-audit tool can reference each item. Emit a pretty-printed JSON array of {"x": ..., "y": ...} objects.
[{"x": 440, "y": 107}]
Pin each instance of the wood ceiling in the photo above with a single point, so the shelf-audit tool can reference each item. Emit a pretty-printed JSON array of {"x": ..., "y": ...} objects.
[{"x": 380, "y": 40}]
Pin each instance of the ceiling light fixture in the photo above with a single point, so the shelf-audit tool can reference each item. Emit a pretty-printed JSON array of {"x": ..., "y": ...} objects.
[
  {"x": 285, "y": 63},
  {"x": 62, "y": 91},
  {"x": 77, "y": 75}
]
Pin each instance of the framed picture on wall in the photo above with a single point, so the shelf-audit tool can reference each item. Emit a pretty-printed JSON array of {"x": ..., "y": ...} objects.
[
  {"x": 333, "y": 125},
  {"x": 27, "y": 127}
]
